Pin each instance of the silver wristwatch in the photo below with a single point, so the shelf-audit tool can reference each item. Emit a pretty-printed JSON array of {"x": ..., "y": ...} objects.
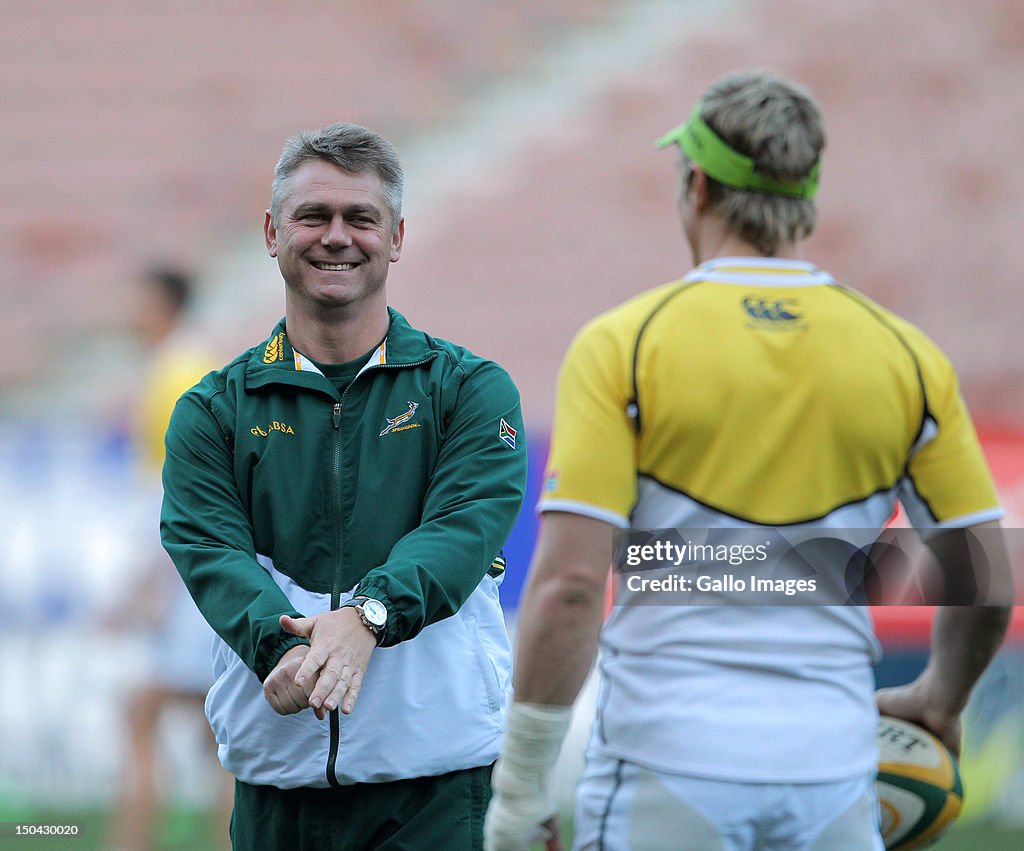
[{"x": 373, "y": 613}]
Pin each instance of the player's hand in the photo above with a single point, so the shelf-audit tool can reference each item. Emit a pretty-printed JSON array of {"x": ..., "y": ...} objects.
[
  {"x": 339, "y": 653},
  {"x": 505, "y": 833},
  {"x": 919, "y": 703},
  {"x": 279, "y": 687},
  {"x": 515, "y": 819},
  {"x": 552, "y": 830}
]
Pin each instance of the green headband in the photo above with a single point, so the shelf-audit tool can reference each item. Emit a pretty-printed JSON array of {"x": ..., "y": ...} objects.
[{"x": 702, "y": 145}]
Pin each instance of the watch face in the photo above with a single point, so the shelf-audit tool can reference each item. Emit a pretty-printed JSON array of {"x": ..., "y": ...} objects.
[{"x": 375, "y": 612}]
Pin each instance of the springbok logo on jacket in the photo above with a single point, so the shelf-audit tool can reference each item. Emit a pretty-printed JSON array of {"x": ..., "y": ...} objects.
[{"x": 400, "y": 423}]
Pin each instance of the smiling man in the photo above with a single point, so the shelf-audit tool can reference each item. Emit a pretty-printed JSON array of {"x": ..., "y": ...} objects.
[{"x": 336, "y": 500}]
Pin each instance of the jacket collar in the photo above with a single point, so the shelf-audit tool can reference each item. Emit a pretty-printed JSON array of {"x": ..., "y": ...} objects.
[{"x": 276, "y": 361}]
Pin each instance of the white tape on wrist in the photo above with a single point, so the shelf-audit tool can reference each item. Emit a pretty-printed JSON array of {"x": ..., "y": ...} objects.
[{"x": 521, "y": 780}]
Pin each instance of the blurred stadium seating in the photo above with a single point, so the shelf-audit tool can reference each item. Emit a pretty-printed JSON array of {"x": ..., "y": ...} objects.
[{"x": 131, "y": 131}]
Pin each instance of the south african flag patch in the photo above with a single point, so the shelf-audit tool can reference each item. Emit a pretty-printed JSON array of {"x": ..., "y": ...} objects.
[{"x": 506, "y": 433}]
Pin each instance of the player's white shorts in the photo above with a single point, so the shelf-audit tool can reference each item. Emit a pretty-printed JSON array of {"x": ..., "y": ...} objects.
[{"x": 622, "y": 807}]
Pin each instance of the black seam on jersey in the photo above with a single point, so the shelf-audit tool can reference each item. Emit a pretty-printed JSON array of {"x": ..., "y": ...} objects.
[
  {"x": 926, "y": 412},
  {"x": 925, "y": 408},
  {"x": 606, "y": 690},
  {"x": 633, "y": 406},
  {"x": 750, "y": 520},
  {"x": 616, "y": 785}
]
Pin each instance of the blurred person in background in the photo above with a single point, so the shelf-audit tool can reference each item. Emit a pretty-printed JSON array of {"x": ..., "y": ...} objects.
[
  {"x": 756, "y": 392},
  {"x": 179, "y": 641},
  {"x": 336, "y": 499}
]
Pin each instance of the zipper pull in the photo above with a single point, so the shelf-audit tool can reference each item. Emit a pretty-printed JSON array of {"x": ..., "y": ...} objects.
[{"x": 337, "y": 414}]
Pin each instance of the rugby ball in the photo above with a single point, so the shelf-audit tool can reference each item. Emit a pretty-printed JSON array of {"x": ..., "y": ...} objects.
[{"x": 918, "y": 785}]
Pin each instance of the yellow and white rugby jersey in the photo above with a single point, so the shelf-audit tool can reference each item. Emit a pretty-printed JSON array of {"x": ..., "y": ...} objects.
[
  {"x": 754, "y": 391},
  {"x": 757, "y": 390}
]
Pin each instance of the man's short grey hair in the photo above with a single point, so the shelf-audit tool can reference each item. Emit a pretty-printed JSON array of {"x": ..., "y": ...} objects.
[
  {"x": 348, "y": 146},
  {"x": 779, "y": 125}
]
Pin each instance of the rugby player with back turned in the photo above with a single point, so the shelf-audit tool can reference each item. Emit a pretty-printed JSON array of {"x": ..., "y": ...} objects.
[{"x": 756, "y": 391}]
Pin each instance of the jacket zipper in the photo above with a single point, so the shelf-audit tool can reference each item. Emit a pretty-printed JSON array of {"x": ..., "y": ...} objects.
[{"x": 335, "y": 717}]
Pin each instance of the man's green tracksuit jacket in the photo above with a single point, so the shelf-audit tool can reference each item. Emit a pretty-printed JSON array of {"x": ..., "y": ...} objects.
[{"x": 284, "y": 497}]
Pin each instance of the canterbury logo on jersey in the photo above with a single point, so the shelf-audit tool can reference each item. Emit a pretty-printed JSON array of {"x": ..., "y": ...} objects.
[
  {"x": 275, "y": 349},
  {"x": 401, "y": 422},
  {"x": 774, "y": 311}
]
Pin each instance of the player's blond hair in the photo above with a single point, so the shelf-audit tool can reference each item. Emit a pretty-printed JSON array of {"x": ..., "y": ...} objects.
[
  {"x": 348, "y": 146},
  {"x": 779, "y": 125}
]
